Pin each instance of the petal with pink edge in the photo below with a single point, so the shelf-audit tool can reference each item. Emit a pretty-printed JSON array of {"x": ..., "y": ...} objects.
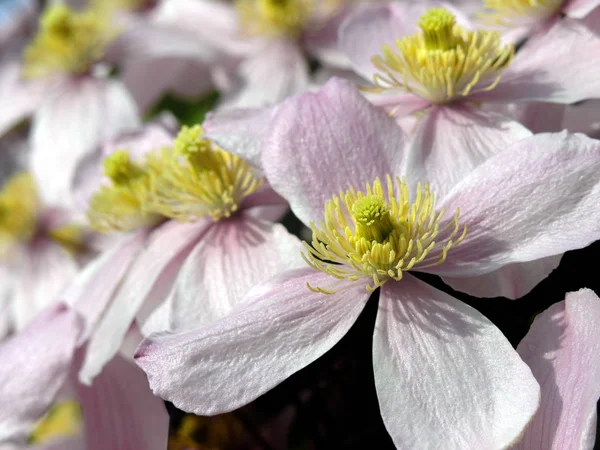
[
  {"x": 270, "y": 75},
  {"x": 234, "y": 256},
  {"x": 240, "y": 131},
  {"x": 72, "y": 124},
  {"x": 511, "y": 281},
  {"x": 444, "y": 373},
  {"x": 563, "y": 350},
  {"x": 41, "y": 355},
  {"x": 120, "y": 411},
  {"x": 322, "y": 143},
  {"x": 281, "y": 328},
  {"x": 148, "y": 281},
  {"x": 452, "y": 141},
  {"x": 536, "y": 199},
  {"x": 558, "y": 66}
]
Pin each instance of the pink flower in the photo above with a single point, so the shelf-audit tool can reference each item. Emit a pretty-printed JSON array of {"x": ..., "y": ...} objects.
[
  {"x": 562, "y": 349},
  {"x": 119, "y": 411},
  {"x": 443, "y": 372}
]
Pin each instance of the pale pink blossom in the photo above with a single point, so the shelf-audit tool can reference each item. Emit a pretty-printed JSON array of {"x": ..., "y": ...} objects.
[{"x": 563, "y": 350}]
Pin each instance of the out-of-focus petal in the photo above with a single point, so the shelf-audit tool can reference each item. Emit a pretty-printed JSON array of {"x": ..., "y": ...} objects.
[
  {"x": 511, "y": 281},
  {"x": 578, "y": 9},
  {"x": 233, "y": 257},
  {"x": 35, "y": 365},
  {"x": 43, "y": 270},
  {"x": 270, "y": 75},
  {"x": 72, "y": 124},
  {"x": 151, "y": 275},
  {"x": 444, "y": 373},
  {"x": 326, "y": 142},
  {"x": 120, "y": 411},
  {"x": 282, "y": 328},
  {"x": 563, "y": 350},
  {"x": 452, "y": 141},
  {"x": 558, "y": 66},
  {"x": 240, "y": 131},
  {"x": 536, "y": 199}
]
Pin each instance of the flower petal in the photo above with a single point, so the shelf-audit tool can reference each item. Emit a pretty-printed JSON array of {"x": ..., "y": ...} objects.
[
  {"x": 536, "y": 199},
  {"x": 563, "y": 350},
  {"x": 72, "y": 124},
  {"x": 452, "y": 141},
  {"x": 281, "y": 328},
  {"x": 233, "y": 257},
  {"x": 41, "y": 355},
  {"x": 444, "y": 373},
  {"x": 511, "y": 281},
  {"x": 120, "y": 411},
  {"x": 322, "y": 143},
  {"x": 578, "y": 9},
  {"x": 151, "y": 275},
  {"x": 558, "y": 66}
]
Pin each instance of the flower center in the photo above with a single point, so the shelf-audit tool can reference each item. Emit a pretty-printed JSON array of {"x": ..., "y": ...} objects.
[
  {"x": 443, "y": 61},
  {"x": 67, "y": 42},
  {"x": 515, "y": 13},
  {"x": 273, "y": 17},
  {"x": 121, "y": 204},
  {"x": 63, "y": 420},
  {"x": 195, "y": 179},
  {"x": 19, "y": 208},
  {"x": 381, "y": 234}
]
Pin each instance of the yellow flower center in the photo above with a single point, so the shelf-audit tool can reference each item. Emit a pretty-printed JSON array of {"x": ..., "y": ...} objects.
[
  {"x": 443, "y": 61},
  {"x": 19, "y": 208},
  {"x": 63, "y": 420},
  {"x": 273, "y": 17},
  {"x": 515, "y": 13},
  {"x": 121, "y": 205},
  {"x": 195, "y": 179},
  {"x": 380, "y": 234},
  {"x": 112, "y": 6},
  {"x": 67, "y": 42}
]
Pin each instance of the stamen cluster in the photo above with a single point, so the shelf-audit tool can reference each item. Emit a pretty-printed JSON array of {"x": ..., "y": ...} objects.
[
  {"x": 381, "y": 234},
  {"x": 273, "y": 17},
  {"x": 442, "y": 61}
]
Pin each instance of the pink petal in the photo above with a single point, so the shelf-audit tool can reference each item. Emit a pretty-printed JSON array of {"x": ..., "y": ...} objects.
[
  {"x": 270, "y": 75},
  {"x": 265, "y": 204},
  {"x": 563, "y": 350},
  {"x": 536, "y": 199},
  {"x": 322, "y": 42},
  {"x": 558, "y": 66},
  {"x": 72, "y": 124},
  {"x": 578, "y": 9},
  {"x": 234, "y": 256},
  {"x": 511, "y": 281},
  {"x": 452, "y": 141},
  {"x": 41, "y": 356},
  {"x": 91, "y": 292},
  {"x": 444, "y": 373},
  {"x": 282, "y": 328},
  {"x": 322, "y": 143},
  {"x": 240, "y": 131},
  {"x": 44, "y": 270},
  {"x": 120, "y": 411},
  {"x": 148, "y": 280}
]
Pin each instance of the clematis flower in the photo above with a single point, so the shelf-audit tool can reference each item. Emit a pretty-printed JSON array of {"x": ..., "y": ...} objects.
[
  {"x": 562, "y": 350},
  {"x": 221, "y": 242},
  {"x": 41, "y": 250},
  {"x": 443, "y": 372},
  {"x": 74, "y": 104},
  {"x": 262, "y": 43},
  {"x": 118, "y": 411}
]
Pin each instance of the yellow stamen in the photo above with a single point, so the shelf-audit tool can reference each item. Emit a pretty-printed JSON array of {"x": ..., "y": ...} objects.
[
  {"x": 70, "y": 236},
  {"x": 112, "y": 6},
  {"x": 195, "y": 179},
  {"x": 443, "y": 61},
  {"x": 515, "y": 13},
  {"x": 274, "y": 17},
  {"x": 67, "y": 42},
  {"x": 19, "y": 208},
  {"x": 386, "y": 236},
  {"x": 63, "y": 420},
  {"x": 121, "y": 206}
]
